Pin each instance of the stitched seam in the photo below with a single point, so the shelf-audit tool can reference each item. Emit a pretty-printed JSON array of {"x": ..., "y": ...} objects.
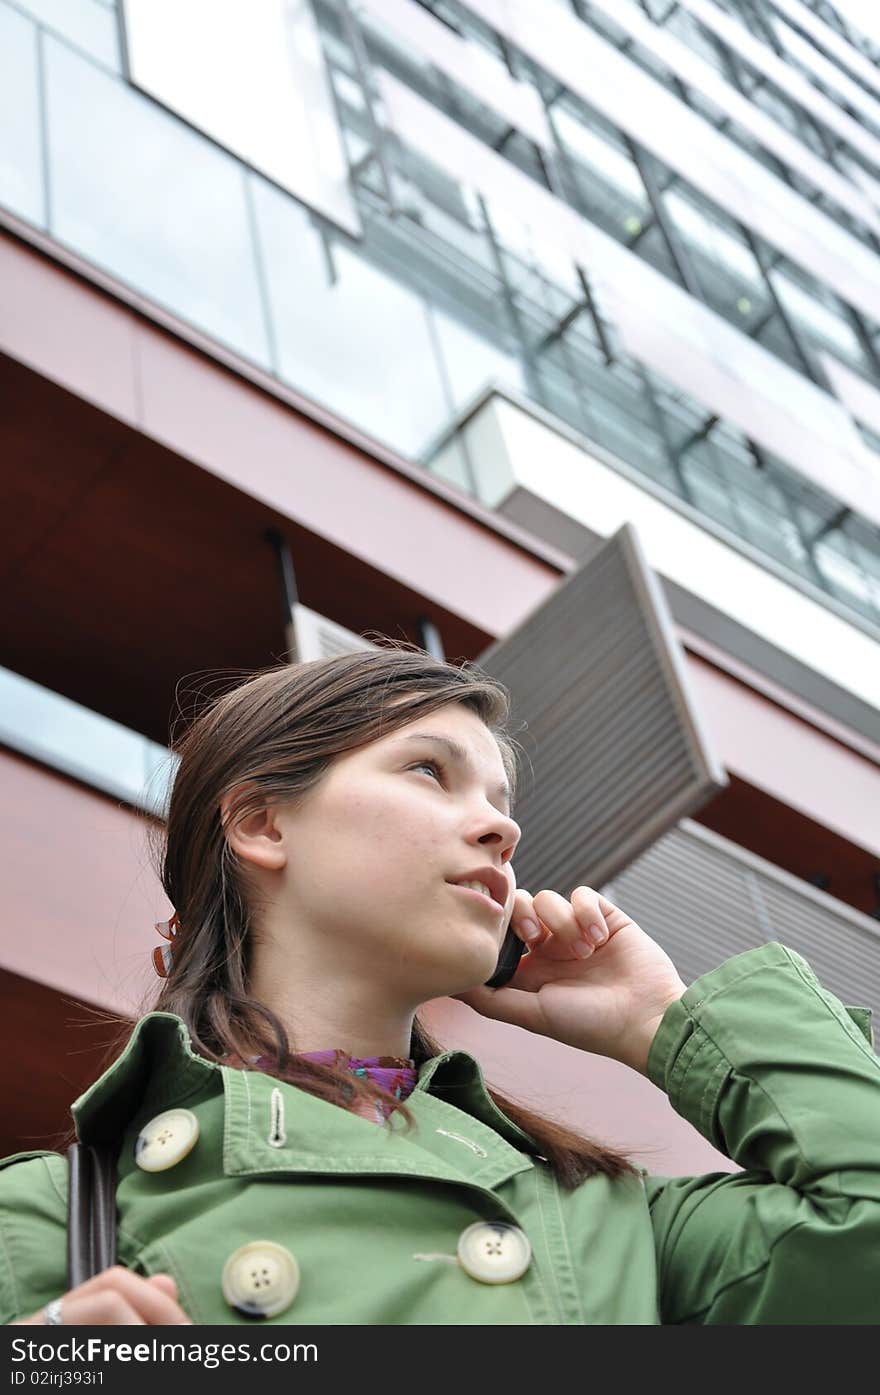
[
  {"x": 524, "y": 1290},
  {"x": 725, "y": 987},
  {"x": 16, "y": 1292},
  {"x": 684, "y": 1059},
  {"x": 183, "y": 1289},
  {"x": 744, "y": 1075},
  {"x": 316, "y": 1161},
  {"x": 741, "y": 1278},
  {"x": 247, "y": 1090},
  {"x": 711, "y": 1092},
  {"x": 55, "y": 1187},
  {"x": 130, "y": 1236},
  {"x": 228, "y": 1088},
  {"x": 846, "y": 1022},
  {"x": 568, "y": 1256},
  {"x": 548, "y": 1248}
]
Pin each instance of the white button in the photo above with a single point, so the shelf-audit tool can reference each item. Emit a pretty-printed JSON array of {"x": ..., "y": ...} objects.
[
  {"x": 494, "y": 1252},
  {"x": 166, "y": 1139},
  {"x": 260, "y": 1279}
]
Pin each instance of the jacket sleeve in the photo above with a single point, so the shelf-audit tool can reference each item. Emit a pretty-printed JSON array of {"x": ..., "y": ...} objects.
[
  {"x": 33, "y": 1232},
  {"x": 779, "y": 1076}
]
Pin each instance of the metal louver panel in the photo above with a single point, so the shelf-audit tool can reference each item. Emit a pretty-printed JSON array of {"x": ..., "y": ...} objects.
[
  {"x": 705, "y": 899},
  {"x": 618, "y": 750},
  {"x": 312, "y": 636}
]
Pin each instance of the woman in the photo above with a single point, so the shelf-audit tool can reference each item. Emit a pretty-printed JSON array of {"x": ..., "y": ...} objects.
[{"x": 293, "y": 1146}]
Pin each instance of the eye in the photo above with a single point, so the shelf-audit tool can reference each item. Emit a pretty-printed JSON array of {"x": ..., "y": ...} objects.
[{"x": 434, "y": 764}]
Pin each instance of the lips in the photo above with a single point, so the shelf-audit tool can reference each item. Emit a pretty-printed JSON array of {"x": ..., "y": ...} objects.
[
  {"x": 495, "y": 882},
  {"x": 481, "y": 898}
]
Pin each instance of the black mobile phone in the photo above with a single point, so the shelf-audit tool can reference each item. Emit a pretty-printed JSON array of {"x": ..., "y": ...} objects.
[{"x": 512, "y": 951}]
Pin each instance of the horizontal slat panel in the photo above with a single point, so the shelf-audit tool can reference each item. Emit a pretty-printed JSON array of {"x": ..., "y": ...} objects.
[
  {"x": 617, "y": 750},
  {"x": 704, "y": 899}
]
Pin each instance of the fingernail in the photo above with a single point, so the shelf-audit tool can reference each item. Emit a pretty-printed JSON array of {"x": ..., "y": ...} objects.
[
  {"x": 597, "y": 934},
  {"x": 531, "y": 930}
]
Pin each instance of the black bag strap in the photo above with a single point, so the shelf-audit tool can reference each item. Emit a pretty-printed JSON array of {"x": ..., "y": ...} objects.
[{"x": 91, "y": 1211}]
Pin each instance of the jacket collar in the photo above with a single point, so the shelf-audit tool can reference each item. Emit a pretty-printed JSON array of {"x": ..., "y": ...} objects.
[{"x": 462, "y": 1134}]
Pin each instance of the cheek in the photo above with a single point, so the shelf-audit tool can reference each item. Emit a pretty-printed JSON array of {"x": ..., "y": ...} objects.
[{"x": 391, "y": 848}]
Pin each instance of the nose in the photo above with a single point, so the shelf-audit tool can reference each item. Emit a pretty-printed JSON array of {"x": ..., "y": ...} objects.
[{"x": 506, "y": 832}]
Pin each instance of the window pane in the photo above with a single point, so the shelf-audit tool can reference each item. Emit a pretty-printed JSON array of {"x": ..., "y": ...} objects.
[
  {"x": 137, "y": 192},
  {"x": 48, "y": 727},
  {"x": 470, "y": 362},
  {"x": 86, "y": 23},
  {"x": 347, "y": 334},
  {"x": 21, "y": 180}
]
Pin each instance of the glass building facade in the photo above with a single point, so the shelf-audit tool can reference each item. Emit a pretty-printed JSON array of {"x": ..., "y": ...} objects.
[{"x": 712, "y": 166}]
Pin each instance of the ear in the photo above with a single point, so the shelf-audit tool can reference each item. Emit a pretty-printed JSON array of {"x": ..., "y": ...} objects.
[{"x": 258, "y": 838}]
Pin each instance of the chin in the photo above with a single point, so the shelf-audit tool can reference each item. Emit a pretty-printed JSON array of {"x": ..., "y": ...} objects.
[
  {"x": 460, "y": 962},
  {"x": 473, "y": 975}
]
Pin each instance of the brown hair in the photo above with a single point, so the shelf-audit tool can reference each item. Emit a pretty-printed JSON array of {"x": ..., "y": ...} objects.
[{"x": 276, "y": 735}]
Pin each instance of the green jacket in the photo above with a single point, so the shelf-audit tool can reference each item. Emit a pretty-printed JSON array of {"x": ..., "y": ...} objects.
[{"x": 770, "y": 1067}]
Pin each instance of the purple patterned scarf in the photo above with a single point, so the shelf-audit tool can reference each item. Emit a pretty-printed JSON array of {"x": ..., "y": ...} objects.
[{"x": 396, "y": 1074}]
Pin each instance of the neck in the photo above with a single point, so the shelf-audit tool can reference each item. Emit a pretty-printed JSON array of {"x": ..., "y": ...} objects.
[{"x": 361, "y": 1022}]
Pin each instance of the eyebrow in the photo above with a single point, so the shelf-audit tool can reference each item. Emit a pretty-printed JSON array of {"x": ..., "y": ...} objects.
[{"x": 457, "y": 752}]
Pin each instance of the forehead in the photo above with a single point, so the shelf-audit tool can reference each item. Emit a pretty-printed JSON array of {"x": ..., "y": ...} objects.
[{"x": 459, "y": 723}]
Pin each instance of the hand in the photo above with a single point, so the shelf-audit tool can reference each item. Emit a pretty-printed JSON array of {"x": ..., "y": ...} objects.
[
  {"x": 117, "y": 1296},
  {"x": 606, "y": 998}
]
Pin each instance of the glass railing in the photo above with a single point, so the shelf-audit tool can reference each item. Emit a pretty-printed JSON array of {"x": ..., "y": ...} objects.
[{"x": 40, "y": 724}]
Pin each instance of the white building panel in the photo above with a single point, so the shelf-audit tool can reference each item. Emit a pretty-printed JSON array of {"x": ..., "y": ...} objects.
[
  {"x": 828, "y": 73},
  {"x": 794, "y": 84},
  {"x": 859, "y": 396},
  {"x": 829, "y": 39},
  {"x": 861, "y": 15},
  {"x": 437, "y": 46},
  {"x": 253, "y": 78}
]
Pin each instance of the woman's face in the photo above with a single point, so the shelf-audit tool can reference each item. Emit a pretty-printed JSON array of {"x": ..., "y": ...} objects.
[{"x": 371, "y": 854}]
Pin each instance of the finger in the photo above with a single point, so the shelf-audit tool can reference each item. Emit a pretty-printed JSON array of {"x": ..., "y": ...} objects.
[
  {"x": 105, "y": 1308},
  {"x": 505, "y": 1005},
  {"x": 525, "y": 920},
  {"x": 558, "y": 915},
  {"x": 586, "y": 904},
  {"x": 154, "y": 1302}
]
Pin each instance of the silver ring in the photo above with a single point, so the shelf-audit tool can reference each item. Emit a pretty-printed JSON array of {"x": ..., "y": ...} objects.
[{"x": 52, "y": 1313}]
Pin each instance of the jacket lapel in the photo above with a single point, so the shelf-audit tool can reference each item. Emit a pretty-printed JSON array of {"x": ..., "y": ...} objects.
[{"x": 273, "y": 1128}]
